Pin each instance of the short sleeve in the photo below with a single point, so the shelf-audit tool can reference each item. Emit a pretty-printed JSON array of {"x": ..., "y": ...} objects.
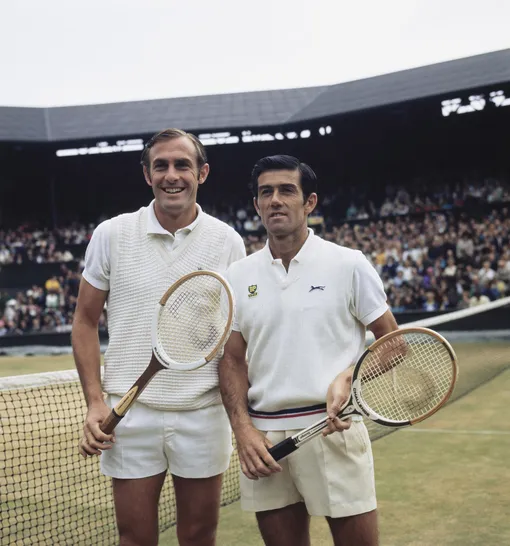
[
  {"x": 369, "y": 300},
  {"x": 97, "y": 257}
]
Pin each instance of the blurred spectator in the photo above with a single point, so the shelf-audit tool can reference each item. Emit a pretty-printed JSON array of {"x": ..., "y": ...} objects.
[
  {"x": 52, "y": 285},
  {"x": 430, "y": 303},
  {"x": 465, "y": 301},
  {"x": 486, "y": 274},
  {"x": 478, "y": 299},
  {"x": 450, "y": 271}
]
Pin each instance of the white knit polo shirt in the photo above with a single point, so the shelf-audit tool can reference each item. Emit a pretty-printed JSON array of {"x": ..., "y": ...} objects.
[{"x": 134, "y": 258}]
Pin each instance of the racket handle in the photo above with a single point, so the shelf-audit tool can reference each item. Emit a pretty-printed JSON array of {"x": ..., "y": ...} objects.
[
  {"x": 282, "y": 449},
  {"x": 109, "y": 424},
  {"x": 120, "y": 409},
  {"x": 131, "y": 396},
  {"x": 288, "y": 446}
]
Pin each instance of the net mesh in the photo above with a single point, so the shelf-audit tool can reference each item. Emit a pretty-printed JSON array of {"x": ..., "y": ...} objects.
[
  {"x": 49, "y": 495},
  {"x": 407, "y": 376},
  {"x": 193, "y": 320}
]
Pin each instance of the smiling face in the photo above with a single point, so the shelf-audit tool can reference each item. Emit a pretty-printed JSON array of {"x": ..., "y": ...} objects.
[
  {"x": 174, "y": 176},
  {"x": 281, "y": 204}
]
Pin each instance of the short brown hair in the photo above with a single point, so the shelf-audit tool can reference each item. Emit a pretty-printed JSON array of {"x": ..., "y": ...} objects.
[{"x": 168, "y": 134}]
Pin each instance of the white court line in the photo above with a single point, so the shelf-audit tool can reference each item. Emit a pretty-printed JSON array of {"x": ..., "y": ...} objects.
[{"x": 455, "y": 431}]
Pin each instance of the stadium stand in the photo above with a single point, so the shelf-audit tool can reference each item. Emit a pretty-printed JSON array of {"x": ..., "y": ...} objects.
[{"x": 429, "y": 252}]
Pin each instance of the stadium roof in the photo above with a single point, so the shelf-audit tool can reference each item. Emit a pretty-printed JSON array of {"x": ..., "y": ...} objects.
[{"x": 254, "y": 109}]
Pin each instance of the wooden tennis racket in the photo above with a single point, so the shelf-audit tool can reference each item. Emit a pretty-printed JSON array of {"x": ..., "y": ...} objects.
[
  {"x": 401, "y": 379},
  {"x": 190, "y": 325}
]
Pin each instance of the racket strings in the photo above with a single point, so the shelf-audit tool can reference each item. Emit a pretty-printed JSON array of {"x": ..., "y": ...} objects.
[
  {"x": 194, "y": 319},
  {"x": 406, "y": 377}
]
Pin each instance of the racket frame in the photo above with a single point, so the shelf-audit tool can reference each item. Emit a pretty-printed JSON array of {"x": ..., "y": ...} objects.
[{"x": 158, "y": 350}]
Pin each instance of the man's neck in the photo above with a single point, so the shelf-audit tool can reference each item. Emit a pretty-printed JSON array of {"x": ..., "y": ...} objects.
[
  {"x": 286, "y": 248},
  {"x": 180, "y": 220}
]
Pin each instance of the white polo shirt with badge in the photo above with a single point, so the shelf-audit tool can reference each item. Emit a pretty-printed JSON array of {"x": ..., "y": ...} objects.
[{"x": 302, "y": 327}]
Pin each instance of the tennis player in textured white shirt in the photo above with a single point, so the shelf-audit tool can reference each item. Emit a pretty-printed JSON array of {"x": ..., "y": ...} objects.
[
  {"x": 302, "y": 308},
  {"x": 178, "y": 424}
]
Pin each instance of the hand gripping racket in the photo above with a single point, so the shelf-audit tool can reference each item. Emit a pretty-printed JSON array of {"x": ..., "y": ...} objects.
[
  {"x": 401, "y": 379},
  {"x": 191, "y": 324}
]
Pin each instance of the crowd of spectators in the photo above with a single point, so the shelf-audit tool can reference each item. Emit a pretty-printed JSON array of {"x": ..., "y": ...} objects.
[
  {"x": 424, "y": 195},
  {"x": 42, "y": 309},
  {"x": 31, "y": 244},
  {"x": 431, "y": 252},
  {"x": 438, "y": 262}
]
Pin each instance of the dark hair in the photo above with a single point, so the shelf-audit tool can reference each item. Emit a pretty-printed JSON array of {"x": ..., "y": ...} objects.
[
  {"x": 169, "y": 134},
  {"x": 308, "y": 178}
]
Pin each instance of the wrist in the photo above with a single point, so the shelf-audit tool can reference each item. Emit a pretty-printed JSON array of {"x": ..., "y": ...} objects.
[
  {"x": 96, "y": 399},
  {"x": 346, "y": 374},
  {"x": 241, "y": 425}
]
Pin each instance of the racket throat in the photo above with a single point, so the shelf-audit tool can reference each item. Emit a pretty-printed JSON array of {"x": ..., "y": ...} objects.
[
  {"x": 358, "y": 406},
  {"x": 134, "y": 392},
  {"x": 348, "y": 411}
]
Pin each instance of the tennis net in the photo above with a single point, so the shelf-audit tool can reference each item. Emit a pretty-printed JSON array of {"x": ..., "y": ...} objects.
[{"x": 49, "y": 495}]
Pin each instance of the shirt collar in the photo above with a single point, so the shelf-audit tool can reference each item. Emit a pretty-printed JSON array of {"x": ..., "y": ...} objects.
[
  {"x": 154, "y": 227},
  {"x": 303, "y": 253}
]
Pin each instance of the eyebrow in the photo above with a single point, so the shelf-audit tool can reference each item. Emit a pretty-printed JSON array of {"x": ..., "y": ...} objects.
[
  {"x": 285, "y": 186},
  {"x": 159, "y": 161},
  {"x": 164, "y": 161},
  {"x": 183, "y": 160}
]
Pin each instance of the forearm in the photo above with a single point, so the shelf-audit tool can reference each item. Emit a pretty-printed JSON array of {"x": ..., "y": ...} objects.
[
  {"x": 347, "y": 373},
  {"x": 87, "y": 357},
  {"x": 234, "y": 386}
]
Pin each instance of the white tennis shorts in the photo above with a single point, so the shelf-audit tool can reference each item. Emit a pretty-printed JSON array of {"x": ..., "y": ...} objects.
[
  {"x": 333, "y": 476},
  {"x": 189, "y": 444}
]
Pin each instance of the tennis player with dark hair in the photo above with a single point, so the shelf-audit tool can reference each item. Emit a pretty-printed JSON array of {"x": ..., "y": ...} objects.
[
  {"x": 178, "y": 424},
  {"x": 302, "y": 309}
]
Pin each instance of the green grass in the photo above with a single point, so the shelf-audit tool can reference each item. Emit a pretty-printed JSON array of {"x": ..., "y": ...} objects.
[
  {"x": 452, "y": 487},
  {"x": 21, "y": 365},
  {"x": 434, "y": 488}
]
